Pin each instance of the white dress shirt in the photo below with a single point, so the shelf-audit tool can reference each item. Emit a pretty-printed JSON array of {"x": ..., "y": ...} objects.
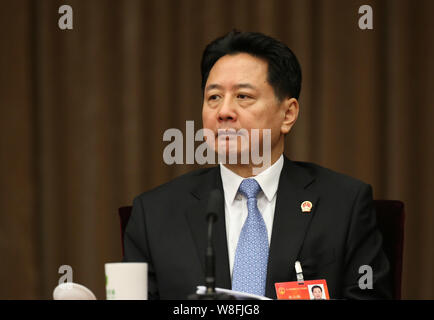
[{"x": 236, "y": 204}]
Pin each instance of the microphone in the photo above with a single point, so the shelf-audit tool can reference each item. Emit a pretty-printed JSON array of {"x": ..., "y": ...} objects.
[
  {"x": 214, "y": 206},
  {"x": 215, "y": 201}
]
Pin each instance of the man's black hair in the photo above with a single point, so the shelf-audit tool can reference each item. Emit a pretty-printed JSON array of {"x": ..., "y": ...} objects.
[
  {"x": 284, "y": 71},
  {"x": 311, "y": 289}
]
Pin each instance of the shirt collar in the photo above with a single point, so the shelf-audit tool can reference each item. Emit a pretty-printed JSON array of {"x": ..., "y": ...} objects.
[{"x": 267, "y": 179}]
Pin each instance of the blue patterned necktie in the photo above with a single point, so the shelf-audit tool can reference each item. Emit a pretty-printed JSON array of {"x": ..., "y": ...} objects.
[{"x": 251, "y": 256}]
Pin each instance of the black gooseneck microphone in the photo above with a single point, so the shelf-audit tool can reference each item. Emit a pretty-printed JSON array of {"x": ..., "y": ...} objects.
[
  {"x": 214, "y": 206},
  {"x": 210, "y": 255},
  {"x": 215, "y": 202}
]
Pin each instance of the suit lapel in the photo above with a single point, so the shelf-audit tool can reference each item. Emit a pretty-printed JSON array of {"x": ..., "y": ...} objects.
[
  {"x": 290, "y": 224},
  {"x": 196, "y": 217}
]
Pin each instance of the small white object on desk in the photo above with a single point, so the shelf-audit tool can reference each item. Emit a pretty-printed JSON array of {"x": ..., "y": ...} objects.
[
  {"x": 72, "y": 291},
  {"x": 126, "y": 280}
]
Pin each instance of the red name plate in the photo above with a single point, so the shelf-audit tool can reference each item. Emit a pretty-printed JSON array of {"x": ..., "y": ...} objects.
[{"x": 308, "y": 290}]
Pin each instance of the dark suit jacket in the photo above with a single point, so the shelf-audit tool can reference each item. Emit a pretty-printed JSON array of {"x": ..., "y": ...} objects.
[{"x": 168, "y": 230}]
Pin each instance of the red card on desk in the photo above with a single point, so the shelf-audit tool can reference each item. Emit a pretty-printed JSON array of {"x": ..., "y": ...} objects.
[{"x": 308, "y": 290}]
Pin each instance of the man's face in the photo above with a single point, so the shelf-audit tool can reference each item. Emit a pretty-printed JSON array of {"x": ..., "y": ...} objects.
[
  {"x": 317, "y": 294},
  {"x": 238, "y": 96}
]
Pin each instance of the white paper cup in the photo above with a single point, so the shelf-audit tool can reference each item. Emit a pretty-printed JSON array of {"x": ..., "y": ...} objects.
[{"x": 126, "y": 281}]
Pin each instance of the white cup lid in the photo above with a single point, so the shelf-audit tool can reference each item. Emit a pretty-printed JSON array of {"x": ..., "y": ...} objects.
[{"x": 72, "y": 291}]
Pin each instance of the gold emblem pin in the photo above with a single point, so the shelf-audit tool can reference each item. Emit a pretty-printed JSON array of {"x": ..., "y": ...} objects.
[{"x": 306, "y": 206}]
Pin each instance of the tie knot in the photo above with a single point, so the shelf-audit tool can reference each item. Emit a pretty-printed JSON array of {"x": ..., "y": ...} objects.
[{"x": 249, "y": 188}]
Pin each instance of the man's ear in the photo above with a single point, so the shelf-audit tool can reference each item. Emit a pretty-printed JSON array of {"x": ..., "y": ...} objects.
[{"x": 290, "y": 108}]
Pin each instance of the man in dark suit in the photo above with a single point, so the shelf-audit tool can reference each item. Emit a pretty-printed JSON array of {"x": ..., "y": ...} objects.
[{"x": 282, "y": 213}]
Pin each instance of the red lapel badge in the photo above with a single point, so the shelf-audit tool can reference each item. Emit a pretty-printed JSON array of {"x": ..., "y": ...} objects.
[{"x": 306, "y": 206}]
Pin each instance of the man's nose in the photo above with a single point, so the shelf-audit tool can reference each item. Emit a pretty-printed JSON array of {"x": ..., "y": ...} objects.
[{"x": 227, "y": 111}]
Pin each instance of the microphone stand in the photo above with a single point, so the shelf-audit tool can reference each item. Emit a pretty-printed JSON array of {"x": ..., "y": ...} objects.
[{"x": 210, "y": 293}]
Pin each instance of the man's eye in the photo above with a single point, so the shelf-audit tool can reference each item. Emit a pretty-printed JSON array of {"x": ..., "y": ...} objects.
[
  {"x": 243, "y": 96},
  {"x": 213, "y": 97}
]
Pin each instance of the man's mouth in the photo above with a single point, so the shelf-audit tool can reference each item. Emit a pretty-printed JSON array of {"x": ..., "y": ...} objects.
[{"x": 228, "y": 133}]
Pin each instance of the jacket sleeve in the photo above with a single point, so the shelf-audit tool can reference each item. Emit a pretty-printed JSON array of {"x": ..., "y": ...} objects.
[
  {"x": 363, "y": 253},
  {"x": 136, "y": 247}
]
